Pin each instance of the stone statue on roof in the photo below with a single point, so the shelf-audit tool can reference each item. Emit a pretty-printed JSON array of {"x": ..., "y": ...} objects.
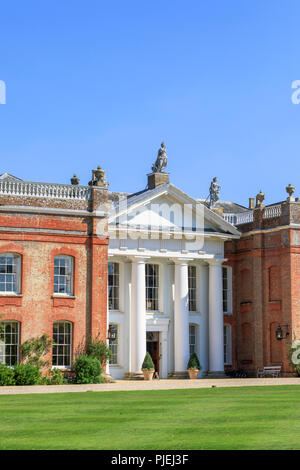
[
  {"x": 161, "y": 160},
  {"x": 214, "y": 192}
]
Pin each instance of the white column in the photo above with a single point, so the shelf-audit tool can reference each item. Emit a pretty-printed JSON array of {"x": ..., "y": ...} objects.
[
  {"x": 203, "y": 288},
  {"x": 216, "y": 333},
  {"x": 181, "y": 317},
  {"x": 138, "y": 319}
]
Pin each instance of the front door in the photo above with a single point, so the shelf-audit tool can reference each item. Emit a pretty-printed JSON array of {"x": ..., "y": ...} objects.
[{"x": 153, "y": 348}]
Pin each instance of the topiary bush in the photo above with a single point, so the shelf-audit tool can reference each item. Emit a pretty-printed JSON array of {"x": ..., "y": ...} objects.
[
  {"x": 87, "y": 370},
  {"x": 148, "y": 363},
  {"x": 193, "y": 363},
  {"x": 7, "y": 375},
  {"x": 27, "y": 374}
]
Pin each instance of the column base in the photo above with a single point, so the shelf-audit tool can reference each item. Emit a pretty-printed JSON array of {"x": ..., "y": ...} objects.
[
  {"x": 178, "y": 375},
  {"x": 107, "y": 377},
  {"x": 133, "y": 376},
  {"x": 216, "y": 375}
]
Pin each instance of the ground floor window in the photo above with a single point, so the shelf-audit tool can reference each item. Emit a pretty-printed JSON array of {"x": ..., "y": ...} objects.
[
  {"x": 113, "y": 343},
  {"x": 62, "y": 344},
  {"x": 9, "y": 343},
  {"x": 227, "y": 345},
  {"x": 193, "y": 339}
]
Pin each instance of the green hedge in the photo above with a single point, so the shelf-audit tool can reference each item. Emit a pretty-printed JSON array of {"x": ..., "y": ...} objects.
[
  {"x": 7, "y": 375},
  {"x": 87, "y": 370},
  {"x": 27, "y": 374}
]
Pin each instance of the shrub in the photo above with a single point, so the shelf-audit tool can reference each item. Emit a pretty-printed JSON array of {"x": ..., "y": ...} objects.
[
  {"x": 27, "y": 374},
  {"x": 87, "y": 370},
  {"x": 54, "y": 377},
  {"x": 148, "y": 363},
  {"x": 194, "y": 363},
  {"x": 7, "y": 375},
  {"x": 98, "y": 349},
  {"x": 294, "y": 355}
]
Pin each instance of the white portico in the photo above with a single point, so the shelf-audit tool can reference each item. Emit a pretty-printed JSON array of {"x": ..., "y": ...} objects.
[{"x": 166, "y": 282}]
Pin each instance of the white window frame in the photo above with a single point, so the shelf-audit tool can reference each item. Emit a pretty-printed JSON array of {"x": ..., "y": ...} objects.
[
  {"x": 227, "y": 344},
  {"x": 156, "y": 288},
  {"x": 227, "y": 293},
  {"x": 63, "y": 345},
  {"x": 192, "y": 288},
  {"x": 195, "y": 335},
  {"x": 68, "y": 278},
  {"x": 116, "y": 344},
  {"x": 4, "y": 345},
  {"x": 115, "y": 285},
  {"x": 6, "y": 278}
]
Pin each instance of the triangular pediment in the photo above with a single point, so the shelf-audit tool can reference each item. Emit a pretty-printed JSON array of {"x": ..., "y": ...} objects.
[
  {"x": 166, "y": 208},
  {"x": 7, "y": 176}
]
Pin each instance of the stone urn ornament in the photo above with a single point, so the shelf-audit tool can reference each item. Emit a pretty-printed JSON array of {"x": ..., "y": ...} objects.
[
  {"x": 193, "y": 366},
  {"x": 290, "y": 189},
  {"x": 148, "y": 367}
]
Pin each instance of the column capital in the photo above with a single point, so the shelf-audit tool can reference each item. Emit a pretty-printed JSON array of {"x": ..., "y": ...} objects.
[
  {"x": 138, "y": 259},
  {"x": 181, "y": 261},
  {"x": 216, "y": 261}
]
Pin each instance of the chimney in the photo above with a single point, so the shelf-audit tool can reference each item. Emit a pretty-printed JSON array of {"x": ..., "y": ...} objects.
[
  {"x": 251, "y": 202},
  {"x": 157, "y": 179}
]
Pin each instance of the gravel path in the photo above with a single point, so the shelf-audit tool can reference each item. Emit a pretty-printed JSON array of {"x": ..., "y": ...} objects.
[{"x": 127, "y": 385}]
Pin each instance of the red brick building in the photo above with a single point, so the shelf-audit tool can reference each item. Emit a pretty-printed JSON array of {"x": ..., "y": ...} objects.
[
  {"x": 53, "y": 264},
  {"x": 265, "y": 264}
]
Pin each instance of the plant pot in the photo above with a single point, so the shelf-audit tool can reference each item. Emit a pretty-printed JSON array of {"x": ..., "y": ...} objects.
[
  {"x": 148, "y": 374},
  {"x": 193, "y": 373}
]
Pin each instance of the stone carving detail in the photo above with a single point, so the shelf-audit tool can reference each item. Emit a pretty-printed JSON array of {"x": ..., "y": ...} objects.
[
  {"x": 260, "y": 197},
  {"x": 98, "y": 178},
  {"x": 290, "y": 190},
  {"x": 161, "y": 160},
  {"x": 75, "y": 180},
  {"x": 214, "y": 192}
]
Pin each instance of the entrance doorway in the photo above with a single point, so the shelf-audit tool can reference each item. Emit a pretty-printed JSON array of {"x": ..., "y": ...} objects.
[{"x": 152, "y": 338}]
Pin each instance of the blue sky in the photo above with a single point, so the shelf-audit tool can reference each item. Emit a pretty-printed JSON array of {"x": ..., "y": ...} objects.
[{"x": 100, "y": 82}]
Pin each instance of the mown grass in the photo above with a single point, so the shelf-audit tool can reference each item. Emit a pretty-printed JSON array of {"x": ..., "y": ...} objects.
[{"x": 217, "y": 418}]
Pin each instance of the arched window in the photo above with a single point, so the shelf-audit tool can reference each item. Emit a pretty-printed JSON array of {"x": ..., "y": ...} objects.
[
  {"x": 62, "y": 344},
  {"x": 113, "y": 286},
  {"x": 227, "y": 345},
  {"x": 9, "y": 343},
  {"x": 63, "y": 274},
  {"x": 10, "y": 273}
]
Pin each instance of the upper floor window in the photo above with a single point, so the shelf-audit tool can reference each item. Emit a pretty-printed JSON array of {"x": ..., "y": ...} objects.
[
  {"x": 152, "y": 286},
  {"x": 113, "y": 343},
  {"x": 62, "y": 344},
  {"x": 10, "y": 273},
  {"x": 63, "y": 275},
  {"x": 227, "y": 345},
  {"x": 113, "y": 286},
  {"x": 9, "y": 343},
  {"x": 192, "y": 288},
  {"x": 227, "y": 289}
]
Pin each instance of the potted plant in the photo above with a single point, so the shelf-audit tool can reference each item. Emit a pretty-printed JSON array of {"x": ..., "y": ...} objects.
[
  {"x": 148, "y": 367},
  {"x": 193, "y": 366}
]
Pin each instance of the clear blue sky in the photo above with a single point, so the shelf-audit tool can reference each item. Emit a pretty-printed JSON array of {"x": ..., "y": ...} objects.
[{"x": 104, "y": 82}]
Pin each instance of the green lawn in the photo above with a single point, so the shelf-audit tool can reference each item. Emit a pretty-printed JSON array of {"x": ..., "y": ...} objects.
[{"x": 215, "y": 418}]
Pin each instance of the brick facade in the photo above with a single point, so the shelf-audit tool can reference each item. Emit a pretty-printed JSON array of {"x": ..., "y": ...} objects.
[
  {"x": 266, "y": 283},
  {"x": 38, "y": 229}
]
